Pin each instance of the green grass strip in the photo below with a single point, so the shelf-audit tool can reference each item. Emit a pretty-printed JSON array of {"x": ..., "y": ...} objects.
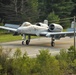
[{"x": 9, "y": 37}]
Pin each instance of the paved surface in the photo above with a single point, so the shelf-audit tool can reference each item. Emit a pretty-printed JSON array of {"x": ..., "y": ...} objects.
[{"x": 37, "y": 44}]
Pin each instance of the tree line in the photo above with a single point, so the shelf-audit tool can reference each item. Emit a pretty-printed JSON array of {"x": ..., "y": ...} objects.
[
  {"x": 18, "y": 11},
  {"x": 43, "y": 64}
]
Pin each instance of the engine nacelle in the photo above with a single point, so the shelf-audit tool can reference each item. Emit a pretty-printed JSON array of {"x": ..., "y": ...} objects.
[{"x": 55, "y": 28}]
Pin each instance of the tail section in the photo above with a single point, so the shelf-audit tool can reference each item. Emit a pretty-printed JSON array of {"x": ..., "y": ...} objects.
[
  {"x": 45, "y": 22},
  {"x": 72, "y": 26}
]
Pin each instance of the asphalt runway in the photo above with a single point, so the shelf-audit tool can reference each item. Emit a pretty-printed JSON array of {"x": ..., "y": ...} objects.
[{"x": 38, "y": 44}]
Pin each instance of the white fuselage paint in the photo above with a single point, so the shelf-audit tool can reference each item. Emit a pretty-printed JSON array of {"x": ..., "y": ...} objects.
[
  {"x": 28, "y": 28},
  {"x": 31, "y": 29}
]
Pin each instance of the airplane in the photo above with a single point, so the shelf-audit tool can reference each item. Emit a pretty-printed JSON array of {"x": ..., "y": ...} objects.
[{"x": 53, "y": 30}]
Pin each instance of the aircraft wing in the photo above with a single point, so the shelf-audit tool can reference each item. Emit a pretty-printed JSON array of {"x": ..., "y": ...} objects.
[
  {"x": 61, "y": 34},
  {"x": 8, "y": 28}
]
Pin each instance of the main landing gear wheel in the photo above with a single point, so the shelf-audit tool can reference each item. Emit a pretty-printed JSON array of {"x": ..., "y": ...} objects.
[
  {"x": 52, "y": 44},
  {"x": 22, "y": 42},
  {"x": 27, "y": 42}
]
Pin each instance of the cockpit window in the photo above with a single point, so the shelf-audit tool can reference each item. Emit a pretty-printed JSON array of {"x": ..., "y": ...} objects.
[
  {"x": 26, "y": 24},
  {"x": 38, "y": 24}
]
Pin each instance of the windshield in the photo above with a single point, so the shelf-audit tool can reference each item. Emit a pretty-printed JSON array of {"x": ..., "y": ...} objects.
[{"x": 26, "y": 24}]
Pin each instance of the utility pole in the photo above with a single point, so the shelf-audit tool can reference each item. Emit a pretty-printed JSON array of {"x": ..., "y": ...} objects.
[{"x": 74, "y": 34}]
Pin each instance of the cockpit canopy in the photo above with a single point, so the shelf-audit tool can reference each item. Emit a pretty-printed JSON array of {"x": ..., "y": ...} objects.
[
  {"x": 26, "y": 24},
  {"x": 42, "y": 24},
  {"x": 38, "y": 24}
]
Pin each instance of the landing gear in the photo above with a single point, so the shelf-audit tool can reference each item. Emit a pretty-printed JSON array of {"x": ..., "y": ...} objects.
[
  {"x": 27, "y": 41},
  {"x": 52, "y": 42},
  {"x": 23, "y": 42}
]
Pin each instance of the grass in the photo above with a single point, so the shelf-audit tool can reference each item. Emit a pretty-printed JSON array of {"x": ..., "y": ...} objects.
[{"x": 9, "y": 37}]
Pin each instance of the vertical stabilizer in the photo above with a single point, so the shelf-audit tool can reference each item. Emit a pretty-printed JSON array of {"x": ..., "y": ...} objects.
[
  {"x": 46, "y": 22},
  {"x": 72, "y": 24}
]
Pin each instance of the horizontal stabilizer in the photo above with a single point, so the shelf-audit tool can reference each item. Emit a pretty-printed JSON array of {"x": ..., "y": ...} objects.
[
  {"x": 12, "y": 26},
  {"x": 71, "y": 29}
]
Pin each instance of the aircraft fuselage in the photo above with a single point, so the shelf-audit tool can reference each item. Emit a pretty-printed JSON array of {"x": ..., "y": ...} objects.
[{"x": 33, "y": 29}]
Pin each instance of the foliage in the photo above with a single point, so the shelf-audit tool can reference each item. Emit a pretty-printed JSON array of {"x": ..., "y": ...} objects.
[
  {"x": 64, "y": 62},
  {"x": 34, "y": 10},
  {"x": 67, "y": 60},
  {"x": 17, "y": 54},
  {"x": 73, "y": 66},
  {"x": 8, "y": 37},
  {"x": 1, "y": 24},
  {"x": 0, "y": 67},
  {"x": 43, "y": 64},
  {"x": 52, "y": 18},
  {"x": 47, "y": 63},
  {"x": 18, "y": 11},
  {"x": 72, "y": 53}
]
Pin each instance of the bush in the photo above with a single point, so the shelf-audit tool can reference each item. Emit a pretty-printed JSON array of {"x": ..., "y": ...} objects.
[
  {"x": 43, "y": 64},
  {"x": 53, "y": 18},
  {"x": 1, "y": 24},
  {"x": 48, "y": 65}
]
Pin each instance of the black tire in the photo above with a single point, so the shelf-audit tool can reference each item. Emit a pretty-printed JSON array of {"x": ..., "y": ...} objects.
[
  {"x": 27, "y": 42},
  {"x": 22, "y": 42},
  {"x": 52, "y": 44}
]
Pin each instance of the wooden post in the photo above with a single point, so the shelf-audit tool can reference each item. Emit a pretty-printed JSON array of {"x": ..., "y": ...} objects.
[{"x": 74, "y": 34}]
